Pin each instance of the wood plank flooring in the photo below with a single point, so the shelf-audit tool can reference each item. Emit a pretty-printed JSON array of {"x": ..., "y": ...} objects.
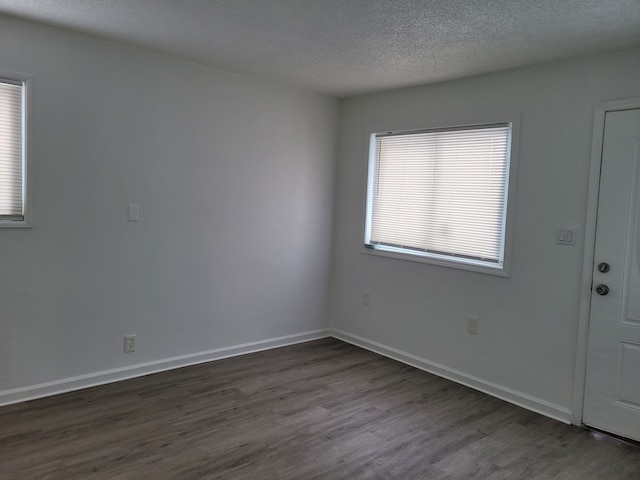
[{"x": 319, "y": 410}]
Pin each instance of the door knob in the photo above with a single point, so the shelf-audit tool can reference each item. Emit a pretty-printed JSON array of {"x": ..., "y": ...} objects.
[
  {"x": 604, "y": 267},
  {"x": 602, "y": 289}
]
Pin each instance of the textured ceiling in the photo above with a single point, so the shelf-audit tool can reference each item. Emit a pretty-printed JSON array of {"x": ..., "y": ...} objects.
[{"x": 345, "y": 47}]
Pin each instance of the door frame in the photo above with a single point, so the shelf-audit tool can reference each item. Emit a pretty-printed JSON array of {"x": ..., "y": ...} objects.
[{"x": 601, "y": 110}]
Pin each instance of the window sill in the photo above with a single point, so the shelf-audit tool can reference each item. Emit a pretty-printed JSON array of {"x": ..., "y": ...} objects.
[
  {"x": 459, "y": 264},
  {"x": 14, "y": 224}
]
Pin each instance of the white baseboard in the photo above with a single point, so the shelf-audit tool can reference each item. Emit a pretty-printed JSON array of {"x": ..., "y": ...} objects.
[
  {"x": 64, "y": 385},
  {"x": 524, "y": 400}
]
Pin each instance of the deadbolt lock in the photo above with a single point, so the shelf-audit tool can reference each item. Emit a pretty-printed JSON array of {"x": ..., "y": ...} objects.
[{"x": 603, "y": 267}]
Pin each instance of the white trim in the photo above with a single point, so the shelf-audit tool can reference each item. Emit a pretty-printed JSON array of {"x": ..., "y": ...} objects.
[
  {"x": 601, "y": 109},
  {"x": 27, "y": 153},
  {"x": 439, "y": 260},
  {"x": 524, "y": 400},
  {"x": 80, "y": 382},
  {"x": 477, "y": 266},
  {"x": 117, "y": 374}
]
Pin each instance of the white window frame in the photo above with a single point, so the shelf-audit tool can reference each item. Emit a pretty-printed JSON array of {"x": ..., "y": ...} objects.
[
  {"x": 27, "y": 165},
  {"x": 462, "y": 263}
]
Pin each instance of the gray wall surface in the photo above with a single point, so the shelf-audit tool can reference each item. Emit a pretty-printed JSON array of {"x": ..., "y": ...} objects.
[
  {"x": 528, "y": 323},
  {"x": 251, "y": 228},
  {"x": 233, "y": 176}
]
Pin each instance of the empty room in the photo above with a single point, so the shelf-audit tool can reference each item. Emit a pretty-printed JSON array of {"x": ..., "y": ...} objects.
[{"x": 328, "y": 239}]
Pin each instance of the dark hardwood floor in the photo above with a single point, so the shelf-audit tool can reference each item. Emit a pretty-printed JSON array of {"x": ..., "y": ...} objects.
[{"x": 318, "y": 410}]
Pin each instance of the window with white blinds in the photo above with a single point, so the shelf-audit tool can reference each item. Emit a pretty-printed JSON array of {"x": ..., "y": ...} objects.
[
  {"x": 12, "y": 161},
  {"x": 441, "y": 193}
]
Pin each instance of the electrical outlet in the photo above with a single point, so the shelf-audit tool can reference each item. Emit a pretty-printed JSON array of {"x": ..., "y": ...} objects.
[
  {"x": 472, "y": 325},
  {"x": 365, "y": 298},
  {"x": 129, "y": 343}
]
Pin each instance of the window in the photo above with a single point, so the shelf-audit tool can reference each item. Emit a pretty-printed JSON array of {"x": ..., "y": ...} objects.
[
  {"x": 441, "y": 195},
  {"x": 13, "y": 164}
]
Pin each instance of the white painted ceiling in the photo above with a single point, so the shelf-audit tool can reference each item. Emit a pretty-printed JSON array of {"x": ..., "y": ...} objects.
[{"x": 345, "y": 47}]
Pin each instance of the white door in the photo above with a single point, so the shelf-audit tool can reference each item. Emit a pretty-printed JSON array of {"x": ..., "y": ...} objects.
[{"x": 612, "y": 390}]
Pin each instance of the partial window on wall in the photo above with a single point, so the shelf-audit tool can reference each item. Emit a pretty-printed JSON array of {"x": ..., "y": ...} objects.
[
  {"x": 13, "y": 153},
  {"x": 441, "y": 196}
]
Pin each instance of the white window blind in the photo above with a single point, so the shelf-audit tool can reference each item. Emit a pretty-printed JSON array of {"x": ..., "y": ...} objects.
[
  {"x": 11, "y": 150},
  {"x": 441, "y": 193}
]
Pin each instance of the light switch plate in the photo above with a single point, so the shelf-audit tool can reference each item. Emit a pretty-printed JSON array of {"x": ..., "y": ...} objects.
[
  {"x": 134, "y": 213},
  {"x": 565, "y": 236}
]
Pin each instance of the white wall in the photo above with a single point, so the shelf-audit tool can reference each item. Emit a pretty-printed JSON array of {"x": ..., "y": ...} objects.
[
  {"x": 526, "y": 345},
  {"x": 234, "y": 178}
]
